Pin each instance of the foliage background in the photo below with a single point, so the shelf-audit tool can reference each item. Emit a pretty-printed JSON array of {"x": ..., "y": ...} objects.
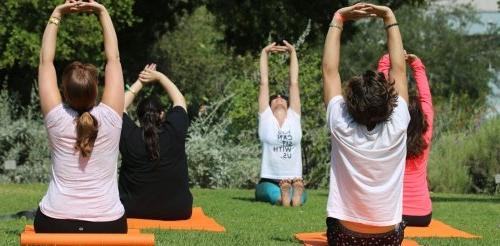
[{"x": 209, "y": 49}]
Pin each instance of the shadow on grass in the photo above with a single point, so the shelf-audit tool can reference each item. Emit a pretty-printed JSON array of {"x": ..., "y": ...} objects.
[
  {"x": 286, "y": 239},
  {"x": 466, "y": 199},
  {"x": 245, "y": 199}
]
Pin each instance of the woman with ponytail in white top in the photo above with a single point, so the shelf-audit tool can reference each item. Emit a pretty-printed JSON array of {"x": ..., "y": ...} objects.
[{"x": 82, "y": 196}]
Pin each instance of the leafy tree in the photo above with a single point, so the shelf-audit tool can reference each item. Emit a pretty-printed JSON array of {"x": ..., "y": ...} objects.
[
  {"x": 22, "y": 24},
  {"x": 193, "y": 59},
  {"x": 247, "y": 24},
  {"x": 156, "y": 17},
  {"x": 138, "y": 22}
]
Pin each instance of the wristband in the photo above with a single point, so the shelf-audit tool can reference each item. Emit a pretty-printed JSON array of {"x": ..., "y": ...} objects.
[{"x": 391, "y": 25}]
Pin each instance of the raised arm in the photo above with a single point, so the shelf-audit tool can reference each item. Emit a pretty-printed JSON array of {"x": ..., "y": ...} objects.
[
  {"x": 384, "y": 65},
  {"x": 331, "y": 53},
  {"x": 134, "y": 89},
  {"x": 149, "y": 75},
  {"x": 395, "y": 47},
  {"x": 294, "y": 89},
  {"x": 264, "y": 74},
  {"x": 113, "y": 94},
  {"x": 422, "y": 84},
  {"x": 331, "y": 57},
  {"x": 47, "y": 78}
]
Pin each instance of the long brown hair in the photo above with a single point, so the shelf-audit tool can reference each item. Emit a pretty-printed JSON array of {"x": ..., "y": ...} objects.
[
  {"x": 415, "y": 142},
  {"x": 80, "y": 92},
  {"x": 149, "y": 112}
]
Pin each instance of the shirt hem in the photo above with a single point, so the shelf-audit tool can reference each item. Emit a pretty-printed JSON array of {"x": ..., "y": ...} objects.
[
  {"x": 280, "y": 177},
  {"x": 364, "y": 221},
  {"x": 69, "y": 217}
]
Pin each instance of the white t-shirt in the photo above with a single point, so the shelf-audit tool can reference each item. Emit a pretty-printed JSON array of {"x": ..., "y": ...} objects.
[
  {"x": 83, "y": 188},
  {"x": 281, "y": 153},
  {"x": 367, "y": 167}
]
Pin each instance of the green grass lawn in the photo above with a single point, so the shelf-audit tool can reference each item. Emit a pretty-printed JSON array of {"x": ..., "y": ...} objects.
[{"x": 254, "y": 223}]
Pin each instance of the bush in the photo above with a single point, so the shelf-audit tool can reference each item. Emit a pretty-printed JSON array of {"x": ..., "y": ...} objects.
[
  {"x": 214, "y": 160},
  {"x": 24, "y": 140},
  {"x": 466, "y": 161}
]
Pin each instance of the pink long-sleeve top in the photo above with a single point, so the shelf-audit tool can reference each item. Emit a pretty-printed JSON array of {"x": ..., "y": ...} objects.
[{"x": 416, "y": 198}]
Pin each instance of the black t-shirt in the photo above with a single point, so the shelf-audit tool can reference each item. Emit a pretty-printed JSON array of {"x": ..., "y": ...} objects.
[{"x": 156, "y": 189}]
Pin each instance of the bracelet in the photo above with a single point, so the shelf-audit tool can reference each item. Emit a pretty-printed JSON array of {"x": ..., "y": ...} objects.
[
  {"x": 391, "y": 25},
  {"x": 332, "y": 24},
  {"x": 131, "y": 90},
  {"x": 54, "y": 20}
]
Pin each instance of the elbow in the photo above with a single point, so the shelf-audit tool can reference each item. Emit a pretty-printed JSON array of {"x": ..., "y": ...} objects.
[
  {"x": 113, "y": 59},
  {"x": 44, "y": 60},
  {"x": 113, "y": 56},
  {"x": 399, "y": 69},
  {"x": 328, "y": 70}
]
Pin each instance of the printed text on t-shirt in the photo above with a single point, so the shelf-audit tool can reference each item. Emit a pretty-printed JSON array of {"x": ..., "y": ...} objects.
[{"x": 285, "y": 144}]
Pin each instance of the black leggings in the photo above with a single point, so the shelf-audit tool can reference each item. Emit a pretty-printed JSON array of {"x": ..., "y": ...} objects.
[
  {"x": 46, "y": 224},
  {"x": 420, "y": 221},
  {"x": 337, "y": 234}
]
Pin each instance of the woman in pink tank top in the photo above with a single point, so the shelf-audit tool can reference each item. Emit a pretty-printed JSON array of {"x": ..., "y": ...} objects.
[
  {"x": 417, "y": 207},
  {"x": 82, "y": 196}
]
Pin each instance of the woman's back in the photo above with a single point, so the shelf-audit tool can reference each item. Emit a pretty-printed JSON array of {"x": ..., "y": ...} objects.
[
  {"x": 83, "y": 188},
  {"x": 157, "y": 189}
]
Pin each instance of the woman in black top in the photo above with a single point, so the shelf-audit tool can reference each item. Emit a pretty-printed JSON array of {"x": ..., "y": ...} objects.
[{"x": 153, "y": 178}]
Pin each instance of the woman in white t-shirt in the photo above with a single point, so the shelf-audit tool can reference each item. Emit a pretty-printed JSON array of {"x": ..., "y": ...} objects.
[
  {"x": 368, "y": 120},
  {"x": 280, "y": 133},
  {"x": 82, "y": 196}
]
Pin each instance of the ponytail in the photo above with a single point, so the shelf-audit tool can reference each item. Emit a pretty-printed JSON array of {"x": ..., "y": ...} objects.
[
  {"x": 150, "y": 123},
  {"x": 86, "y": 133},
  {"x": 149, "y": 113}
]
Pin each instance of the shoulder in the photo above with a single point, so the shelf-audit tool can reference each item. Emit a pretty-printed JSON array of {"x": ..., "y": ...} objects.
[
  {"x": 336, "y": 111},
  {"x": 106, "y": 115},
  {"x": 401, "y": 115},
  {"x": 60, "y": 114},
  {"x": 267, "y": 113},
  {"x": 293, "y": 114}
]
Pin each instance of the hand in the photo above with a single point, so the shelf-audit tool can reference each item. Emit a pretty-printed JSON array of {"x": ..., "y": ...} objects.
[
  {"x": 151, "y": 67},
  {"x": 410, "y": 58},
  {"x": 149, "y": 74},
  {"x": 69, "y": 6},
  {"x": 91, "y": 6},
  {"x": 355, "y": 12},
  {"x": 273, "y": 48},
  {"x": 378, "y": 10},
  {"x": 290, "y": 48}
]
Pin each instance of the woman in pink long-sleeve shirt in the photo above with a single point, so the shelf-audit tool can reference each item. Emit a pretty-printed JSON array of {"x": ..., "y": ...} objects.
[{"x": 417, "y": 207}]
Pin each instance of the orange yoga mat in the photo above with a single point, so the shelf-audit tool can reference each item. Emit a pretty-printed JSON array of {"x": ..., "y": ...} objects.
[
  {"x": 133, "y": 237},
  {"x": 198, "y": 221},
  {"x": 435, "y": 229},
  {"x": 319, "y": 239}
]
